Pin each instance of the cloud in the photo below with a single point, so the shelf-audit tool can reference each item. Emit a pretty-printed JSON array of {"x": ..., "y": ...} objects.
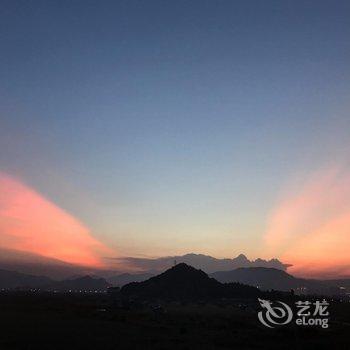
[
  {"x": 310, "y": 228},
  {"x": 29, "y": 222}
]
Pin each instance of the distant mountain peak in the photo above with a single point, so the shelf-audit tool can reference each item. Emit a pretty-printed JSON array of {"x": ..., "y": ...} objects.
[
  {"x": 241, "y": 257},
  {"x": 184, "y": 271},
  {"x": 182, "y": 267}
]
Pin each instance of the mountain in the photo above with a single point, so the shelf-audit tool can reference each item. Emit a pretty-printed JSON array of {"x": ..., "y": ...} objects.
[
  {"x": 344, "y": 283},
  {"x": 17, "y": 280},
  {"x": 125, "y": 278},
  {"x": 38, "y": 265},
  {"x": 261, "y": 277},
  {"x": 269, "y": 278},
  {"x": 13, "y": 279},
  {"x": 204, "y": 262},
  {"x": 34, "y": 264},
  {"x": 85, "y": 283},
  {"x": 184, "y": 282}
]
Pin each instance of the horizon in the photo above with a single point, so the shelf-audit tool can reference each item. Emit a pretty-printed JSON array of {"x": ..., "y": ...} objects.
[
  {"x": 134, "y": 265},
  {"x": 155, "y": 129}
]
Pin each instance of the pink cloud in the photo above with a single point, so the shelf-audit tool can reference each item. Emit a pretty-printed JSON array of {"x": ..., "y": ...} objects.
[
  {"x": 29, "y": 222},
  {"x": 310, "y": 228}
]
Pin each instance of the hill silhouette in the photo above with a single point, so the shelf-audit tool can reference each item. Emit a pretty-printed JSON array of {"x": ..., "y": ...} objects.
[
  {"x": 85, "y": 283},
  {"x": 14, "y": 279},
  {"x": 125, "y": 278},
  {"x": 34, "y": 264},
  {"x": 37, "y": 265},
  {"x": 185, "y": 282},
  {"x": 269, "y": 278},
  {"x": 261, "y": 277}
]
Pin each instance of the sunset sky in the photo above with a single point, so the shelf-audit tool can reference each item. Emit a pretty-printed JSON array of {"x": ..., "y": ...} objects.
[{"x": 152, "y": 128}]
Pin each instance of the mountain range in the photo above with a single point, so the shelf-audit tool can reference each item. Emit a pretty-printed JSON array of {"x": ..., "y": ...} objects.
[
  {"x": 258, "y": 277},
  {"x": 269, "y": 278},
  {"x": 34, "y": 264},
  {"x": 206, "y": 263},
  {"x": 12, "y": 280}
]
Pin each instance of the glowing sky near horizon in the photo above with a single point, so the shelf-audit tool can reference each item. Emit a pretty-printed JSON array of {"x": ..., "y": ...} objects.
[
  {"x": 31, "y": 223},
  {"x": 310, "y": 227},
  {"x": 167, "y": 127}
]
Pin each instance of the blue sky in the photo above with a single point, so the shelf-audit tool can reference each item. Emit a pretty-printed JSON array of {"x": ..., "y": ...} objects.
[{"x": 172, "y": 126}]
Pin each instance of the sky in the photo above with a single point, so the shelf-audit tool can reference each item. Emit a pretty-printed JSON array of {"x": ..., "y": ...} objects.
[{"x": 152, "y": 128}]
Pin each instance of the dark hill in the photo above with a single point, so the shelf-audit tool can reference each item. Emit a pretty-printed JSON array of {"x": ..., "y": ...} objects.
[
  {"x": 17, "y": 280},
  {"x": 184, "y": 282},
  {"x": 261, "y": 277},
  {"x": 86, "y": 283},
  {"x": 269, "y": 278},
  {"x": 13, "y": 279},
  {"x": 125, "y": 278}
]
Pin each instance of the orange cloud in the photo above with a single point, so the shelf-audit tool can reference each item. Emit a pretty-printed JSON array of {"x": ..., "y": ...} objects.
[
  {"x": 31, "y": 223},
  {"x": 311, "y": 227}
]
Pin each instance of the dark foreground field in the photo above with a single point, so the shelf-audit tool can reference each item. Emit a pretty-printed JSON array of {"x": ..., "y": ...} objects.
[{"x": 38, "y": 321}]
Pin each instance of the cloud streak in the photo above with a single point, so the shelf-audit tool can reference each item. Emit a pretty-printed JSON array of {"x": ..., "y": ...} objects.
[
  {"x": 310, "y": 228},
  {"x": 29, "y": 222}
]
